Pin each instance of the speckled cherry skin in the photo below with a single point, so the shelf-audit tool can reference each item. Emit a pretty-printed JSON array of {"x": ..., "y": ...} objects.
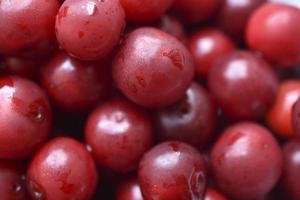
[
  {"x": 207, "y": 46},
  {"x": 25, "y": 117},
  {"x": 129, "y": 190},
  {"x": 272, "y": 30},
  {"x": 212, "y": 194},
  {"x": 196, "y": 11},
  {"x": 279, "y": 117},
  {"x": 191, "y": 120},
  {"x": 146, "y": 10},
  {"x": 243, "y": 84},
  {"x": 89, "y": 29},
  {"x": 27, "y": 26},
  {"x": 291, "y": 167},
  {"x": 74, "y": 85},
  {"x": 12, "y": 181},
  {"x": 152, "y": 68},
  {"x": 234, "y": 15},
  {"x": 62, "y": 169},
  {"x": 172, "y": 170},
  {"x": 246, "y": 161},
  {"x": 119, "y": 133}
]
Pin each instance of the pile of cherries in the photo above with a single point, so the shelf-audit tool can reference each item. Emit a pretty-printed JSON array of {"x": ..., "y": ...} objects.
[{"x": 149, "y": 100}]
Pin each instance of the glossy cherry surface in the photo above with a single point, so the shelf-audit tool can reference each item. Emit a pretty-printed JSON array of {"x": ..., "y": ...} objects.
[
  {"x": 279, "y": 118},
  {"x": 206, "y": 46},
  {"x": 191, "y": 120},
  {"x": 146, "y": 10},
  {"x": 152, "y": 68},
  {"x": 62, "y": 169},
  {"x": 74, "y": 85},
  {"x": 119, "y": 133},
  {"x": 172, "y": 170},
  {"x": 234, "y": 15},
  {"x": 212, "y": 194},
  {"x": 246, "y": 161},
  {"x": 195, "y": 11},
  {"x": 89, "y": 29},
  {"x": 129, "y": 190},
  {"x": 243, "y": 84},
  {"x": 12, "y": 181},
  {"x": 272, "y": 31},
  {"x": 25, "y": 117},
  {"x": 291, "y": 176},
  {"x": 27, "y": 26}
]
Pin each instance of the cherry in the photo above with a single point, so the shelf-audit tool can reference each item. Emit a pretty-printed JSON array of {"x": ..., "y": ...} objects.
[
  {"x": 243, "y": 84},
  {"x": 246, "y": 161},
  {"x": 296, "y": 118},
  {"x": 129, "y": 190},
  {"x": 192, "y": 120},
  {"x": 272, "y": 31},
  {"x": 62, "y": 169},
  {"x": 74, "y": 85},
  {"x": 206, "y": 46},
  {"x": 146, "y": 10},
  {"x": 27, "y": 26},
  {"x": 172, "y": 170},
  {"x": 290, "y": 177},
  {"x": 12, "y": 181},
  {"x": 234, "y": 15},
  {"x": 25, "y": 117},
  {"x": 119, "y": 133},
  {"x": 152, "y": 64},
  {"x": 89, "y": 29},
  {"x": 279, "y": 118}
]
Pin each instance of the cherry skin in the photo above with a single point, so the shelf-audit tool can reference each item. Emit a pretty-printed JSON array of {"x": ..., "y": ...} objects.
[
  {"x": 234, "y": 15},
  {"x": 246, "y": 161},
  {"x": 12, "y": 181},
  {"x": 27, "y": 26},
  {"x": 279, "y": 117},
  {"x": 152, "y": 64},
  {"x": 212, "y": 194},
  {"x": 272, "y": 31},
  {"x": 206, "y": 46},
  {"x": 244, "y": 85},
  {"x": 119, "y": 133},
  {"x": 74, "y": 85},
  {"x": 89, "y": 29},
  {"x": 146, "y": 10},
  {"x": 172, "y": 170},
  {"x": 62, "y": 169},
  {"x": 291, "y": 176},
  {"x": 129, "y": 190},
  {"x": 24, "y": 109},
  {"x": 195, "y": 11},
  {"x": 191, "y": 120}
]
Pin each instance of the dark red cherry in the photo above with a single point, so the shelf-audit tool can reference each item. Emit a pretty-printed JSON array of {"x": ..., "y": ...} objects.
[
  {"x": 246, "y": 161},
  {"x": 172, "y": 170},
  {"x": 119, "y": 133},
  {"x": 191, "y": 120},
  {"x": 243, "y": 84},
  {"x": 25, "y": 117},
  {"x": 62, "y": 169},
  {"x": 152, "y": 68},
  {"x": 74, "y": 85}
]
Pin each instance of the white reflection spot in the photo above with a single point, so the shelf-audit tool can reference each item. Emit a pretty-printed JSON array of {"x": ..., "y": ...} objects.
[
  {"x": 114, "y": 123},
  {"x": 237, "y": 70},
  {"x": 57, "y": 158},
  {"x": 168, "y": 160}
]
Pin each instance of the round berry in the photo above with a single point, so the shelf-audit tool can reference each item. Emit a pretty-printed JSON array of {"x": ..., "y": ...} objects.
[{"x": 152, "y": 68}]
